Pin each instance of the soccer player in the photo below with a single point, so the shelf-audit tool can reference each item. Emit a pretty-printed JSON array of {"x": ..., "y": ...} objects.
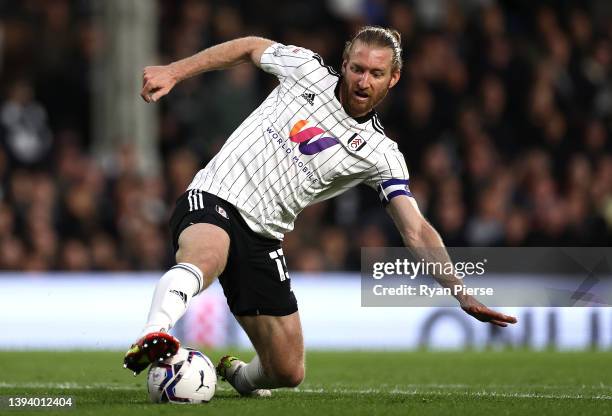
[{"x": 315, "y": 136}]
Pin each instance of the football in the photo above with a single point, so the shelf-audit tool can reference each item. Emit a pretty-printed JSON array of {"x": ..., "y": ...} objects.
[{"x": 187, "y": 377}]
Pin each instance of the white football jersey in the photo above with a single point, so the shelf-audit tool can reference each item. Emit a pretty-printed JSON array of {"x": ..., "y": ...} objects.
[{"x": 300, "y": 147}]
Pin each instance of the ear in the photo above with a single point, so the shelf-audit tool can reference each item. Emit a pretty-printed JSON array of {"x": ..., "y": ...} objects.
[
  {"x": 343, "y": 67},
  {"x": 395, "y": 76}
]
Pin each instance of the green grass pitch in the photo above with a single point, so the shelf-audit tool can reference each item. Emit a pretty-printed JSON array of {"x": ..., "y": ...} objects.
[{"x": 337, "y": 383}]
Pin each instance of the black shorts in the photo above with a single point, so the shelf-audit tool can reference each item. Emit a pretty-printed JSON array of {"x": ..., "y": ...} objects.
[{"x": 255, "y": 280}]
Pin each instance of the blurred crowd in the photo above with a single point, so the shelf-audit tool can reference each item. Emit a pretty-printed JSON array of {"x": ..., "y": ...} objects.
[{"x": 503, "y": 113}]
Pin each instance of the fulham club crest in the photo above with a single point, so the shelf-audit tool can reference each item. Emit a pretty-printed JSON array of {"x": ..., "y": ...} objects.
[
  {"x": 356, "y": 143},
  {"x": 221, "y": 211}
]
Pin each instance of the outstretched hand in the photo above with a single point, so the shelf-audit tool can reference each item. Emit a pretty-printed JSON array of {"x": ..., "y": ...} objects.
[
  {"x": 479, "y": 311},
  {"x": 157, "y": 81}
]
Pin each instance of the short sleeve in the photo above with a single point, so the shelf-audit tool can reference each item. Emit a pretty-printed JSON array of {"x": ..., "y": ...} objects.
[
  {"x": 285, "y": 60},
  {"x": 390, "y": 177}
]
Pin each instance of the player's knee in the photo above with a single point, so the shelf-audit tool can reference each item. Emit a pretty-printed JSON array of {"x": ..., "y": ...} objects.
[
  {"x": 205, "y": 246},
  {"x": 210, "y": 263},
  {"x": 296, "y": 377},
  {"x": 289, "y": 375}
]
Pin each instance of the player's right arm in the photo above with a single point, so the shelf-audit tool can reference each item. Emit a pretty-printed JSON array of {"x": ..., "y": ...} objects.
[
  {"x": 425, "y": 241},
  {"x": 157, "y": 81},
  {"x": 391, "y": 182}
]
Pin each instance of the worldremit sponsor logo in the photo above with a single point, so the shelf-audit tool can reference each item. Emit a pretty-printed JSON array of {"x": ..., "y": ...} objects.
[{"x": 303, "y": 135}]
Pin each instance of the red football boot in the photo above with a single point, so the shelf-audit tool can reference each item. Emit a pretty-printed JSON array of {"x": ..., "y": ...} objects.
[{"x": 153, "y": 347}]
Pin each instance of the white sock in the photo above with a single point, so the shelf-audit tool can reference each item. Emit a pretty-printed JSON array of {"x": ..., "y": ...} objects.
[
  {"x": 252, "y": 377},
  {"x": 172, "y": 296}
]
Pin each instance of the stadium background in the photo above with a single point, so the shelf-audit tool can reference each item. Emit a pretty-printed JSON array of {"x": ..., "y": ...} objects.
[{"x": 503, "y": 113}]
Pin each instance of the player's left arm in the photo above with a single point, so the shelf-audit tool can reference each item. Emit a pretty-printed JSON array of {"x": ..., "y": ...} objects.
[{"x": 422, "y": 238}]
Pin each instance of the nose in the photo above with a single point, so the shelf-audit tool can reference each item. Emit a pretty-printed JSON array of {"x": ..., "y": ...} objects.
[{"x": 364, "y": 80}]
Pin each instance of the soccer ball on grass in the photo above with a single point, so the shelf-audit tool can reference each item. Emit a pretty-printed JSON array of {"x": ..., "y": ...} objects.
[{"x": 187, "y": 377}]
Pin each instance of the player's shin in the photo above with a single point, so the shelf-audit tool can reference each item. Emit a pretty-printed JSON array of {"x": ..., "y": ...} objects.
[{"x": 172, "y": 296}]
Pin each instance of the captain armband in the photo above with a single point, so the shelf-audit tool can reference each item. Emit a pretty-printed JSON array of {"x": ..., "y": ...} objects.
[{"x": 391, "y": 188}]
